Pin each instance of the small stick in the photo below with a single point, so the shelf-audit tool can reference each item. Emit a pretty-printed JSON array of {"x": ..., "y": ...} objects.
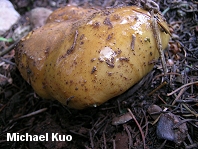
[
  {"x": 159, "y": 117},
  {"x": 143, "y": 137},
  {"x": 129, "y": 135},
  {"x": 30, "y": 114},
  {"x": 146, "y": 121},
  {"x": 7, "y": 61},
  {"x": 162, "y": 99},
  {"x": 179, "y": 95},
  {"x": 114, "y": 144},
  {"x": 162, "y": 146},
  {"x": 193, "y": 112},
  {"x": 69, "y": 99},
  {"x": 104, "y": 136},
  {"x": 8, "y": 49},
  {"x": 76, "y": 133},
  {"x": 160, "y": 86},
  {"x": 185, "y": 85},
  {"x": 105, "y": 142},
  {"x": 91, "y": 139},
  {"x": 171, "y": 73},
  {"x": 187, "y": 100},
  {"x": 158, "y": 41},
  {"x": 99, "y": 123},
  {"x": 181, "y": 122},
  {"x": 74, "y": 43}
]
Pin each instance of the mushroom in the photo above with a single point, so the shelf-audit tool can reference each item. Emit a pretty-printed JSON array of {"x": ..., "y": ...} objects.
[{"x": 85, "y": 61}]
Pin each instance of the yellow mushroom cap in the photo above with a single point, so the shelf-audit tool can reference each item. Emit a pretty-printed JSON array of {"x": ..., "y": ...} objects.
[{"x": 85, "y": 62}]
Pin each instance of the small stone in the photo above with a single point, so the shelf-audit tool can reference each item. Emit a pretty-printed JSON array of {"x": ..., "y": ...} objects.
[
  {"x": 154, "y": 111},
  {"x": 166, "y": 128},
  {"x": 20, "y": 32},
  {"x": 122, "y": 119},
  {"x": 38, "y": 16},
  {"x": 170, "y": 62},
  {"x": 8, "y": 16},
  {"x": 53, "y": 3}
]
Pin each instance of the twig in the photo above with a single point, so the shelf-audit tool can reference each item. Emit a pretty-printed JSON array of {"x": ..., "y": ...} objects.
[
  {"x": 76, "y": 133},
  {"x": 30, "y": 114},
  {"x": 146, "y": 123},
  {"x": 162, "y": 99},
  {"x": 129, "y": 135},
  {"x": 119, "y": 106},
  {"x": 9, "y": 48},
  {"x": 158, "y": 41},
  {"x": 160, "y": 86},
  {"x": 194, "y": 145},
  {"x": 156, "y": 120},
  {"x": 2, "y": 141},
  {"x": 7, "y": 61},
  {"x": 182, "y": 121},
  {"x": 193, "y": 112},
  {"x": 187, "y": 100},
  {"x": 99, "y": 123},
  {"x": 105, "y": 142},
  {"x": 189, "y": 138},
  {"x": 143, "y": 137},
  {"x": 91, "y": 139},
  {"x": 162, "y": 146},
  {"x": 114, "y": 144},
  {"x": 104, "y": 136},
  {"x": 185, "y": 85},
  {"x": 170, "y": 73},
  {"x": 179, "y": 95},
  {"x": 3, "y": 107}
]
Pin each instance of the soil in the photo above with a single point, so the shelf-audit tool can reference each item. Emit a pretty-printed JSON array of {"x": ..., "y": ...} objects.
[{"x": 22, "y": 111}]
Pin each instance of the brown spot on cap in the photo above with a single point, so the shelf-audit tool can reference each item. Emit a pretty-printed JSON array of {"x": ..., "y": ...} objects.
[
  {"x": 110, "y": 36},
  {"x": 110, "y": 63},
  {"x": 96, "y": 25},
  {"x": 93, "y": 69},
  {"x": 108, "y": 22}
]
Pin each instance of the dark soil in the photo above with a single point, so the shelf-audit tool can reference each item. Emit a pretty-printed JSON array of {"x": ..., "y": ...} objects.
[{"x": 22, "y": 111}]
